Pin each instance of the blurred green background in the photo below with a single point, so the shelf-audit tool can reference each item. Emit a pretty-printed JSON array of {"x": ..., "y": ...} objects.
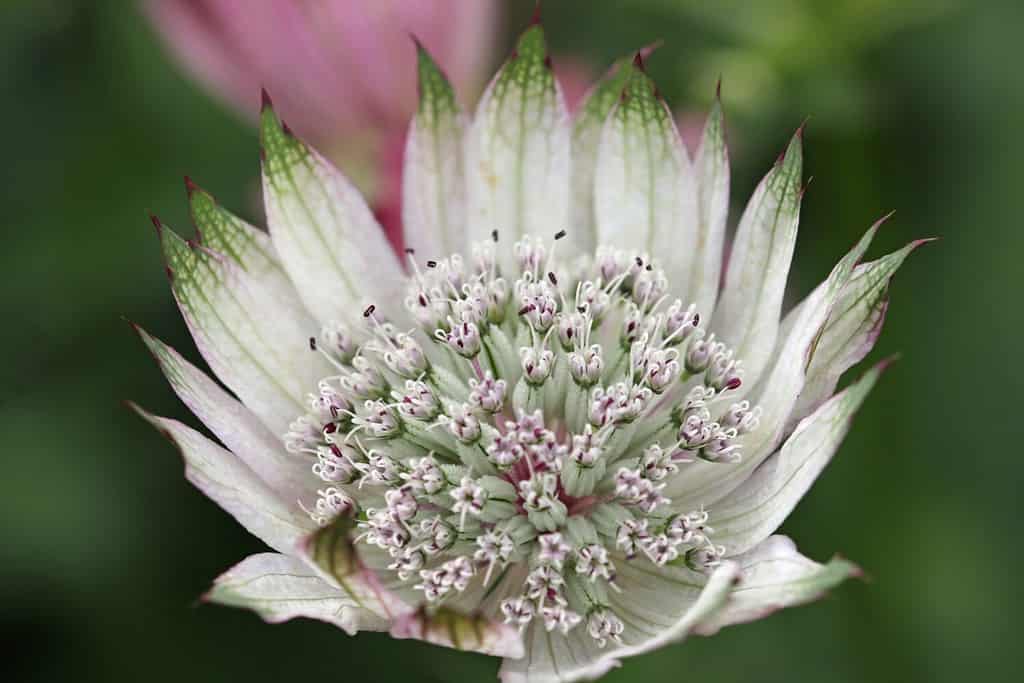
[{"x": 913, "y": 106}]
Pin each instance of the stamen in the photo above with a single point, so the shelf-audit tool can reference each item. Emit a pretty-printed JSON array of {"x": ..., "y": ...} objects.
[{"x": 544, "y": 458}]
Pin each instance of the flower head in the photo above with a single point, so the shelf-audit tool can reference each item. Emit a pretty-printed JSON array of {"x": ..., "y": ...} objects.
[{"x": 548, "y": 435}]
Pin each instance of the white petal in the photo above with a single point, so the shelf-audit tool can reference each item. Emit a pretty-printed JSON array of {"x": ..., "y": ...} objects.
[
  {"x": 450, "y": 628},
  {"x": 433, "y": 181},
  {"x": 227, "y": 235},
  {"x": 775, "y": 576},
  {"x": 586, "y": 137},
  {"x": 658, "y": 605},
  {"x": 644, "y": 194},
  {"x": 711, "y": 171},
  {"x": 704, "y": 483},
  {"x": 748, "y": 515},
  {"x": 229, "y": 482},
  {"x": 329, "y": 551},
  {"x": 852, "y": 329},
  {"x": 747, "y": 316},
  {"x": 223, "y": 232},
  {"x": 279, "y": 588},
  {"x": 328, "y": 240},
  {"x": 551, "y": 657},
  {"x": 255, "y": 344},
  {"x": 235, "y": 425},
  {"x": 517, "y": 154}
]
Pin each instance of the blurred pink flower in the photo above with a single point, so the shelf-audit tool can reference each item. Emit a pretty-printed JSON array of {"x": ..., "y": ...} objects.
[
  {"x": 690, "y": 124},
  {"x": 575, "y": 76},
  {"x": 339, "y": 71}
]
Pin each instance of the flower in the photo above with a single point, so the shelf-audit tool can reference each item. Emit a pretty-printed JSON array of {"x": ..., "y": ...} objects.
[
  {"x": 562, "y": 443},
  {"x": 343, "y": 73}
]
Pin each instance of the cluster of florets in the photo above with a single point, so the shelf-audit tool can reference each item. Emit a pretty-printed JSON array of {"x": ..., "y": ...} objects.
[{"x": 529, "y": 422}]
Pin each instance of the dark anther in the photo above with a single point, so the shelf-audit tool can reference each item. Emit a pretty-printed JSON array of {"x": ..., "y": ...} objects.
[
  {"x": 494, "y": 235},
  {"x": 312, "y": 343},
  {"x": 410, "y": 251},
  {"x": 639, "y": 261},
  {"x": 554, "y": 280},
  {"x": 369, "y": 311},
  {"x": 560, "y": 234},
  {"x": 431, "y": 264}
]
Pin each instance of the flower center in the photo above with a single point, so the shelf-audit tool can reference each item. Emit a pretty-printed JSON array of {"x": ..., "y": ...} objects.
[{"x": 517, "y": 444}]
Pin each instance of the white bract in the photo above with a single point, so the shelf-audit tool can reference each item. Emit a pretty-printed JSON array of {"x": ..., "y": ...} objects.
[{"x": 554, "y": 452}]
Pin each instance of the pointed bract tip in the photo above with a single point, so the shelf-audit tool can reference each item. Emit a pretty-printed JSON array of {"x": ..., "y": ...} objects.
[
  {"x": 856, "y": 572},
  {"x": 157, "y": 224},
  {"x": 151, "y": 419},
  {"x": 718, "y": 88},
  {"x": 796, "y": 141},
  {"x": 799, "y": 134},
  {"x": 638, "y": 60},
  {"x": 886, "y": 362},
  {"x": 874, "y": 226},
  {"x": 536, "y": 18},
  {"x": 416, "y": 42},
  {"x": 191, "y": 187},
  {"x": 265, "y": 101},
  {"x": 647, "y": 50},
  {"x": 803, "y": 190}
]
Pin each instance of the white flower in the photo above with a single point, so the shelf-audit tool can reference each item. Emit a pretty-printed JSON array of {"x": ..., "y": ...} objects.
[{"x": 518, "y": 435}]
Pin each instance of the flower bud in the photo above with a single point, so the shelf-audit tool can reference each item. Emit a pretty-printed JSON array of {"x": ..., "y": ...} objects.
[
  {"x": 536, "y": 364},
  {"x": 463, "y": 339},
  {"x": 585, "y": 366}
]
